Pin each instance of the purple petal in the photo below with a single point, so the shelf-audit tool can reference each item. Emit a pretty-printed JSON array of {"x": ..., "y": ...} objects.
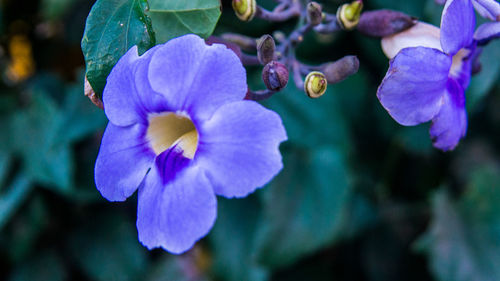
[
  {"x": 123, "y": 160},
  {"x": 486, "y": 32},
  {"x": 127, "y": 99},
  {"x": 175, "y": 215},
  {"x": 414, "y": 85},
  {"x": 457, "y": 25},
  {"x": 488, "y": 9},
  {"x": 450, "y": 125},
  {"x": 239, "y": 148},
  {"x": 195, "y": 77}
]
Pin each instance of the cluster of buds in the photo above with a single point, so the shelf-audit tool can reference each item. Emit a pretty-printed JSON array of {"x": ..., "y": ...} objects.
[
  {"x": 275, "y": 74},
  {"x": 278, "y": 59}
]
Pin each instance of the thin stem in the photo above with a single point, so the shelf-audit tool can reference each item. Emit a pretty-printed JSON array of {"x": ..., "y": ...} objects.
[
  {"x": 249, "y": 59},
  {"x": 259, "y": 95},
  {"x": 244, "y": 42},
  {"x": 297, "y": 77},
  {"x": 278, "y": 15},
  {"x": 326, "y": 28}
]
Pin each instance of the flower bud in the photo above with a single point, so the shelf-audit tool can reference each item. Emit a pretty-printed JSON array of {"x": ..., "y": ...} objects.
[
  {"x": 348, "y": 14},
  {"x": 315, "y": 84},
  {"x": 245, "y": 9},
  {"x": 314, "y": 13},
  {"x": 381, "y": 23},
  {"x": 341, "y": 69},
  {"x": 265, "y": 49},
  {"x": 275, "y": 76},
  {"x": 89, "y": 93}
]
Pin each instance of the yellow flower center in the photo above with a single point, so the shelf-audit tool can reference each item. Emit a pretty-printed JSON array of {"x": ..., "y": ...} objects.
[{"x": 166, "y": 130}]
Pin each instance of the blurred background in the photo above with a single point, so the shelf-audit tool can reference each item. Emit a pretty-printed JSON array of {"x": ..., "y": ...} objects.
[{"x": 360, "y": 198}]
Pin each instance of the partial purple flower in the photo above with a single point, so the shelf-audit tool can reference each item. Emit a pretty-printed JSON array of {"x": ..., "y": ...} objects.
[
  {"x": 428, "y": 74},
  {"x": 489, "y": 9},
  {"x": 180, "y": 132}
]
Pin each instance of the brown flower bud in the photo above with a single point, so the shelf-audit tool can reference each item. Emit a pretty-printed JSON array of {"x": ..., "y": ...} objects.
[
  {"x": 340, "y": 69},
  {"x": 265, "y": 49},
  {"x": 314, "y": 13},
  {"x": 381, "y": 23},
  {"x": 275, "y": 76}
]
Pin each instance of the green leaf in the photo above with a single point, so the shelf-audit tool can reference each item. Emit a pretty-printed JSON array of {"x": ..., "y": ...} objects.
[
  {"x": 463, "y": 241},
  {"x": 55, "y": 9},
  {"x": 112, "y": 28},
  {"x": 23, "y": 233},
  {"x": 4, "y": 166},
  {"x": 13, "y": 197},
  {"x": 310, "y": 122},
  {"x": 81, "y": 117},
  {"x": 305, "y": 201},
  {"x": 173, "y": 18},
  {"x": 36, "y": 132},
  {"x": 233, "y": 240},
  {"x": 108, "y": 249},
  {"x": 45, "y": 266}
]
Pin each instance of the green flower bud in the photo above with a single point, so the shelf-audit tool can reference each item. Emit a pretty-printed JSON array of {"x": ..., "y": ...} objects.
[
  {"x": 314, "y": 13},
  {"x": 315, "y": 84},
  {"x": 348, "y": 15},
  {"x": 265, "y": 49},
  {"x": 245, "y": 9}
]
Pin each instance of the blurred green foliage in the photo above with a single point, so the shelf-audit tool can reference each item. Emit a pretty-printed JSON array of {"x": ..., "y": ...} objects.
[{"x": 359, "y": 198}]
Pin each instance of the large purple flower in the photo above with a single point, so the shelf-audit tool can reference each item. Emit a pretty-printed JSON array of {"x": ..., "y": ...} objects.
[
  {"x": 178, "y": 112},
  {"x": 429, "y": 72}
]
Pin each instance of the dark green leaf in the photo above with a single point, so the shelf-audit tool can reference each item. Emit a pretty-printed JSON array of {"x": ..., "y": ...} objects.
[
  {"x": 112, "y": 28},
  {"x": 310, "y": 122},
  {"x": 55, "y": 9},
  {"x": 108, "y": 249},
  {"x": 81, "y": 117},
  {"x": 463, "y": 242},
  {"x": 4, "y": 166},
  {"x": 25, "y": 228},
  {"x": 173, "y": 18},
  {"x": 305, "y": 202},
  {"x": 36, "y": 133},
  {"x": 46, "y": 266},
  {"x": 483, "y": 82},
  {"x": 233, "y": 240},
  {"x": 13, "y": 197}
]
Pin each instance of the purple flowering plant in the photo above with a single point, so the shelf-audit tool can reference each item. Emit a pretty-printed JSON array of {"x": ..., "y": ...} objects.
[
  {"x": 184, "y": 126},
  {"x": 181, "y": 133},
  {"x": 430, "y": 70}
]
